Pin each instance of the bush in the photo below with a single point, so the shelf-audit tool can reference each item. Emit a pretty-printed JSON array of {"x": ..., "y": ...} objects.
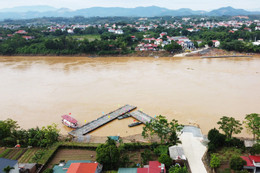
[
  {"x": 214, "y": 161},
  {"x": 146, "y": 156},
  {"x": 165, "y": 158},
  {"x": 161, "y": 149},
  {"x": 235, "y": 142},
  {"x": 178, "y": 169},
  {"x": 255, "y": 149},
  {"x": 237, "y": 163}
]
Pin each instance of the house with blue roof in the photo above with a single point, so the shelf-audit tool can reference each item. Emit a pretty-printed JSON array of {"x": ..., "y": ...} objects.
[{"x": 7, "y": 162}]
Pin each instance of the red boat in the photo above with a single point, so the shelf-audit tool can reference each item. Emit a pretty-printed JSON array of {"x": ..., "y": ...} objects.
[{"x": 69, "y": 121}]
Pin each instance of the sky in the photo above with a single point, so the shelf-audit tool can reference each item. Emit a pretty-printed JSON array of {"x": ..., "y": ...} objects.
[{"x": 170, "y": 4}]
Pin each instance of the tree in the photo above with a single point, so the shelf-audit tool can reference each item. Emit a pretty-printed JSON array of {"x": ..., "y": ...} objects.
[
  {"x": 236, "y": 163},
  {"x": 216, "y": 140},
  {"x": 165, "y": 159},
  {"x": 7, "y": 128},
  {"x": 8, "y": 169},
  {"x": 173, "y": 47},
  {"x": 108, "y": 155},
  {"x": 164, "y": 38},
  {"x": 229, "y": 126},
  {"x": 178, "y": 169},
  {"x": 50, "y": 135},
  {"x": 214, "y": 161},
  {"x": 210, "y": 43},
  {"x": 252, "y": 123},
  {"x": 167, "y": 132}
]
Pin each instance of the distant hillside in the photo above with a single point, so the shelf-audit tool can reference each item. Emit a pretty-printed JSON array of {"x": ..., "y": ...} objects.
[
  {"x": 229, "y": 11},
  {"x": 26, "y": 12}
]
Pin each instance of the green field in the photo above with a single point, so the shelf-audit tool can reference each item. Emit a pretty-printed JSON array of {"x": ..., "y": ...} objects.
[
  {"x": 13, "y": 154},
  {"x": 27, "y": 156},
  {"x": 89, "y": 37}
]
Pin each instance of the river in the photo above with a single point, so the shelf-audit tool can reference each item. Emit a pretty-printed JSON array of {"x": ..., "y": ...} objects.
[{"x": 36, "y": 91}]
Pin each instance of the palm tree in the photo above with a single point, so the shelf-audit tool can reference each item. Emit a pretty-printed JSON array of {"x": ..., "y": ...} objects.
[{"x": 7, "y": 169}]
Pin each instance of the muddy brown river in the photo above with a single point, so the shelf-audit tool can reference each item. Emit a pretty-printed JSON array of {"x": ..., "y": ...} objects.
[{"x": 36, "y": 91}]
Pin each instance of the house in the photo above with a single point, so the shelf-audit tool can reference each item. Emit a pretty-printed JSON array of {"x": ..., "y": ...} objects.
[
  {"x": 21, "y": 32},
  {"x": 247, "y": 29},
  {"x": 216, "y": 43},
  {"x": 177, "y": 153},
  {"x": 119, "y": 31},
  {"x": 257, "y": 28},
  {"x": 158, "y": 41},
  {"x": 188, "y": 45},
  {"x": 256, "y": 43},
  {"x": 28, "y": 37},
  {"x": 162, "y": 34},
  {"x": 7, "y": 162},
  {"x": 149, "y": 39},
  {"x": 111, "y": 30},
  {"x": 153, "y": 167},
  {"x": 252, "y": 163},
  {"x": 70, "y": 31},
  {"x": 78, "y": 166},
  {"x": 27, "y": 167}
]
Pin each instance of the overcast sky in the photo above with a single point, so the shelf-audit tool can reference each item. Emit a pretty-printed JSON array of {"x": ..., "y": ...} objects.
[{"x": 171, "y": 4}]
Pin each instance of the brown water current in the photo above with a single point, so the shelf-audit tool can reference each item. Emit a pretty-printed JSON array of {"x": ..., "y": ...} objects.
[{"x": 36, "y": 91}]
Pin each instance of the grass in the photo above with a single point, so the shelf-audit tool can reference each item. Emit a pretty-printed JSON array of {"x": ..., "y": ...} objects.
[{"x": 88, "y": 37}]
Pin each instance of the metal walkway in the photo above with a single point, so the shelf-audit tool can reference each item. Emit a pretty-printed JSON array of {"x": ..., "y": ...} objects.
[
  {"x": 83, "y": 130},
  {"x": 140, "y": 116}
]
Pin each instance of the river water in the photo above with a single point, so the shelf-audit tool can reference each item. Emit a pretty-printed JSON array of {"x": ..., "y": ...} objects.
[{"x": 36, "y": 91}]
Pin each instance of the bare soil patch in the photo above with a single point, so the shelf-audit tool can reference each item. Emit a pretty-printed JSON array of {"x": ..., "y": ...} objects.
[{"x": 72, "y": 154}]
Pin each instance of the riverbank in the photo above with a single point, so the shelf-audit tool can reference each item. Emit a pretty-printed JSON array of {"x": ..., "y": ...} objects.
[{"x": 155, "y": 54}]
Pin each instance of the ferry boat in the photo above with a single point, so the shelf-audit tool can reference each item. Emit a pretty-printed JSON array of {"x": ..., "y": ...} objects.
[{"x": 69, "y": 121}]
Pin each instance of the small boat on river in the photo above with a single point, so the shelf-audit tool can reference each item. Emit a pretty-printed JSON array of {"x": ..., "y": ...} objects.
[
  {"x": 69, "y": 121},
  {"x": 134, "y": 124}
]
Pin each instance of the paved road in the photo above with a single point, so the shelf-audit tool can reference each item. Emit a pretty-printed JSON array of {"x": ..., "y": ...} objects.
[
  {"x": 187, "y": 53},
  {"x": 193, "y": 148}
]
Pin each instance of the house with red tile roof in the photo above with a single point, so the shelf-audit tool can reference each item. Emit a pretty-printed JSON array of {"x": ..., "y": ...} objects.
[
  {"x": 21, "y": 32},
  {"x": 153, "y": 167},
  {"x": 78, "y": 166},
  {"x": 83, "y": 167},
  {"x": 252, "y": 163}
]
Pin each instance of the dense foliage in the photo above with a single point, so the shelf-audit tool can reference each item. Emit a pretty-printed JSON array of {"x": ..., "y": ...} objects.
[
  {"x": 11, "y": 135},
  {"x": 178, "y": 169},
  {"x": 112, "y": 156},
  {"x": 255, "y": 149},
  {"x": 165, "y": 159},
  {"x": 167, "y": 132},
  {"x": 237, "y": 163}
]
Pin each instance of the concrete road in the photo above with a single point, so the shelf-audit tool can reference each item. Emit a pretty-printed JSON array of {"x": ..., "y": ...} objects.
[{"x": 193, "y": 148}]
